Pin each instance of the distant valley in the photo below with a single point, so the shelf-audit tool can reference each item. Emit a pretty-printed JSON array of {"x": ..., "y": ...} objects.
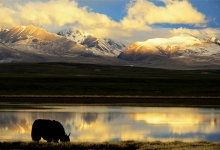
[{"x": 34, "y": 44}]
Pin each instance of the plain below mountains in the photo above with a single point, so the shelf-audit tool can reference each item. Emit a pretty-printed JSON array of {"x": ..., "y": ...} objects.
[{"x": 34, "y": 44}]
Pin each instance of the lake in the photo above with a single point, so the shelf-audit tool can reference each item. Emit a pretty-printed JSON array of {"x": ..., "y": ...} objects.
[{"x": 114, "y": 123}]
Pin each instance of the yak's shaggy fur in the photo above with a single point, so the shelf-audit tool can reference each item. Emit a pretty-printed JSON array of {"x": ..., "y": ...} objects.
[{"x": 49, "y": 130}]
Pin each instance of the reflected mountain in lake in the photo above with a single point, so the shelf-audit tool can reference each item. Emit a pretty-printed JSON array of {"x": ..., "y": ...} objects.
[{"x": 94, "y": 124}]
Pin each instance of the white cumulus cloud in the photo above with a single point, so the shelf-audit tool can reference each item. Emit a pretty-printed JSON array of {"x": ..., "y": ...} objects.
[{"x": 174, "y": 12}]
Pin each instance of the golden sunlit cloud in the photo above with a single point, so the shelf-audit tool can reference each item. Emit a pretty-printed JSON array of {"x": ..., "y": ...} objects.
[
  {"x": 136, "y": 25},
  {"x": 7, "y": 14},
  {"x": 61, "y": 12},
  {"x": 174, "y": 12}
]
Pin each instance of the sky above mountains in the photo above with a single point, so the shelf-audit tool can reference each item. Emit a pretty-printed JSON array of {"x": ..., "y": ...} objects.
[{"x": 124, "y": 20}]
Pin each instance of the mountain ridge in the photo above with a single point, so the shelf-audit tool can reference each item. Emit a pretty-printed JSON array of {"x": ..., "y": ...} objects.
[
  {"x": 37, "y": 41},
  {"x": 98, "y": 45},
  {"x": 171, "y": 47},
  {"x": 33, "y": 44},
  {"x": 27, "y": 44}
]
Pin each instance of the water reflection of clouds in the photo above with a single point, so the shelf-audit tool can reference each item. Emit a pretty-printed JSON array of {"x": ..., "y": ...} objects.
[
  {"x": 180, "y": 123},
  {"x": 105, "y": 126}
]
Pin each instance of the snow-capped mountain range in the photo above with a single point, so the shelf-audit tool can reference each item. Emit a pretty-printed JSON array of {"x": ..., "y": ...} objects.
[
  {"x": 34, "y": 40},
  {"x": 70, "y": 43},
  {"x": 97, "y": 45},
  {"x": 31, "y": 43},
  {"x": 183, "y": 47},
  {"x": 34, "y": 44}
]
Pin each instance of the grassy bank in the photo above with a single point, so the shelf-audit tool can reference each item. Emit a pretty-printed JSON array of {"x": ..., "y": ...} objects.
[
  {"x": 126, "y": 145},
  {"x": 82, "y": 79},
  {"x": 156, "y": 101}
]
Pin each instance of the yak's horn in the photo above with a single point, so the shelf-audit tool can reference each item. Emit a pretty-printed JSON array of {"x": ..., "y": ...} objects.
[{"x": 69, "y": 134}]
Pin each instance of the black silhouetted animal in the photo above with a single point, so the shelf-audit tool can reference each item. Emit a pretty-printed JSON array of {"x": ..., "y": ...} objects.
[{"x": 49, "y": 130}]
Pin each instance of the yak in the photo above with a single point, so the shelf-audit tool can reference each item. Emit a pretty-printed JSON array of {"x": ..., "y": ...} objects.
[{"x": 49, "y": 130}]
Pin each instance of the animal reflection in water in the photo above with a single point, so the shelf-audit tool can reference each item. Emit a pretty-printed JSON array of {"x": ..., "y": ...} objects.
[{"x": 49, "y": 130}]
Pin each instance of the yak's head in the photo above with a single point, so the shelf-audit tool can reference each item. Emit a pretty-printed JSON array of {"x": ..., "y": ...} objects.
[{"x": 65, "y": 138}]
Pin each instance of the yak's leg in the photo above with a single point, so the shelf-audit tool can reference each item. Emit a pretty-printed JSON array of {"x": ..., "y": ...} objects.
[
  {"x": 49, "y": 140},
  {"x": 36, "y": 138}
]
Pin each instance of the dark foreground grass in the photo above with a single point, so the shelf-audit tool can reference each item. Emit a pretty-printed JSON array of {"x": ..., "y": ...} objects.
[
  {"x": 84, "y": 79},
  {"x": 125, "y": 145}
]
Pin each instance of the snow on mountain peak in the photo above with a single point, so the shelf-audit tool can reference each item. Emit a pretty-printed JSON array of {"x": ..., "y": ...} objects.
[
  {"x": 181, "y": 46},
  {"x": 38, "y": 41},
  {"x": 75, "y": 35},
  {"x": 26, "y": 32},
  {"x": 182, "y": 39},
  {"x": 3, "y": 30},
  {"x": 95, "y": 44}
]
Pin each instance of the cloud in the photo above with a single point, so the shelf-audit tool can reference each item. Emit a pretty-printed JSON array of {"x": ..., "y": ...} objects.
[
  {"x": 136, "y": 25},
  {"x": 61, "y": 12},
  {"x": 201, "y": 33},
  {"x": 57, "y": 13},
  {"x": 53, "y": 12},
  {"x": 174, "y": 12},
  {"x": 7, "y": 16}
]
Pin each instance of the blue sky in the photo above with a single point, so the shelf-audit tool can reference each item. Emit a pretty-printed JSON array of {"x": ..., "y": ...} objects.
[
  {"x": 124, "y": 20},
  {"x": 116, "y": 9}
]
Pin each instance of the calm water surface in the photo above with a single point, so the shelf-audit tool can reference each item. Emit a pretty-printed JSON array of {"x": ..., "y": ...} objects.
[{"x": 111, "y": 123}]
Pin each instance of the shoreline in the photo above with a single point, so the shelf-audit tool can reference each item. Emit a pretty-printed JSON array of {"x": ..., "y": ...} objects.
[
  {"x": 160, "y": 101},
  {"x": 124, "y": 145}
]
